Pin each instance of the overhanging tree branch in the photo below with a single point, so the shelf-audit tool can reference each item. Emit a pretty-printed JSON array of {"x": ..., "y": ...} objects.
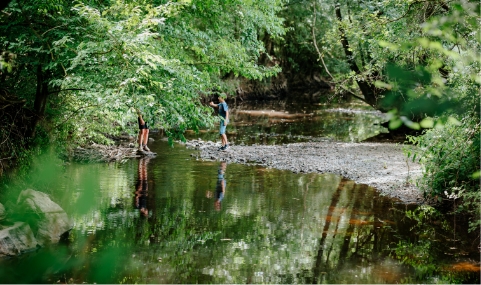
[
  {"x": 315, "y": 41},
  {"x": 321, "y": 56},
  {"x": 368, "y": 90}
]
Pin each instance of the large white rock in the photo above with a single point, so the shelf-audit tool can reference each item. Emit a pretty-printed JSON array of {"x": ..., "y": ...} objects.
[
  {"x": 48, "y": 219},
  {"x": 16, "y": 239}
]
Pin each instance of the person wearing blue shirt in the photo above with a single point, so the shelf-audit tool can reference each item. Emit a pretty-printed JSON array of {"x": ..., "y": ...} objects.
[{"x": 224, "y": 118}]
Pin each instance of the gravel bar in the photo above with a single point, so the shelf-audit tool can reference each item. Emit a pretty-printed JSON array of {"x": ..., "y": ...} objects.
[{"x": 379, "y": 165}]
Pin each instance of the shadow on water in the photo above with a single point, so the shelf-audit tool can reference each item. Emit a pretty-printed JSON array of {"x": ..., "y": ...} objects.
[{"x": 172, "y": 219}]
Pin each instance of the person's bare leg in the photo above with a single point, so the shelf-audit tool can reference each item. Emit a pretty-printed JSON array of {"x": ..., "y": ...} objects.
[
  {"x": 146, "y": 139},
  {"x": 146, "y": 136},
  {"x": 140, "y": 139},
  {"x": 224, "y": 139}
]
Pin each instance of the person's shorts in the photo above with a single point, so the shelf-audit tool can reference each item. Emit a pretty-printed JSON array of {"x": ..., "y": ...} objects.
[
  {"x": 222, "y": 128},
  {"x": 144, "y": 127}
]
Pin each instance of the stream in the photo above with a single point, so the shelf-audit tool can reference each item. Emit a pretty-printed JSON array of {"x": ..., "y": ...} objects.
[{"x": 176, "y": 219}]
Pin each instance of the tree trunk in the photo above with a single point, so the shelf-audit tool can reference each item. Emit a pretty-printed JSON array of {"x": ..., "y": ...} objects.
[
  {"x": 368, "y": 90},
  {"x": 268, "y": 45},
  {"x": 41, "y": 96}
]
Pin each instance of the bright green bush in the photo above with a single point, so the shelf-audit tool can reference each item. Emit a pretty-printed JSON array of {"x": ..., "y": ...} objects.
[{"x": 450, "y": 156}]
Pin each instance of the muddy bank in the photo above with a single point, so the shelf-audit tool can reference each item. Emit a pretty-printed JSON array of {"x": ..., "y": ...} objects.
[
  {"x": 380, "y": 165},
  {"x": 102, "y": 153}
]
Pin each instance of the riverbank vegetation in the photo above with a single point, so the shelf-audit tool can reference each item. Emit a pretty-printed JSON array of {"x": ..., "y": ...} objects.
[{"x": 73, "y": 72}]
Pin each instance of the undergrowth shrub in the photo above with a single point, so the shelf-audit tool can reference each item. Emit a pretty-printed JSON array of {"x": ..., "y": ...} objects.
[{"x": 450, "y": 156}]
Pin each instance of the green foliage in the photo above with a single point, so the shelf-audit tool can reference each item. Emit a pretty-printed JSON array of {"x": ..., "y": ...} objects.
[
  {"x": 418, "y": 256},
  {"x": 432, "y": 72},
  {"x": 430, "y": 225},
  {"x": 424, "y": 58},
  {"x": 410, "y": 102},
  {"x": 95, "y": 62},
  {"x": 450, "y": 158},
  {"x": 436, "y": 72},
  {"x": 160, "y": 59},
  {"x": 417, "y": 52},
  {"x": 297, "y": 52}
]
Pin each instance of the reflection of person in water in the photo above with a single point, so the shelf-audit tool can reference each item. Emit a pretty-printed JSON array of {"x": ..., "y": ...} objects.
[
  {"x": 221, "y": 185},
  {"x": 142, "y": 187}
]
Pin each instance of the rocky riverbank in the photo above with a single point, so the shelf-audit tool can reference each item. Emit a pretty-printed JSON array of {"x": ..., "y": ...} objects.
[
  {"x": 35, "y": 220},
  {"x": 380, "y": 165}
]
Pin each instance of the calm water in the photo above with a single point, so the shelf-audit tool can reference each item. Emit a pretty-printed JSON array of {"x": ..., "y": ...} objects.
[
  {"x": 279, "y": 122},
  {"x": 173, "y": 219}
]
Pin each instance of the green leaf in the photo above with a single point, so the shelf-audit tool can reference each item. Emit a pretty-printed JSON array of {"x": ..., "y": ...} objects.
[
  {"x": 395, "y": 123},
  {"x": 427, "y": 123},
  {"x": 476, "y": 175},
  {"x": 380, "y": 84},
  {"x": 454, "y": 121}
]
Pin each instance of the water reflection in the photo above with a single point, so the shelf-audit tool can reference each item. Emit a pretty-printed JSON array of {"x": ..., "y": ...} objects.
[
  {"x": 142, "y": 187},
  {"x": 273, "y": 227},
  {"x": 220, "y": 187},
  {"x": 167, "y": 220}
]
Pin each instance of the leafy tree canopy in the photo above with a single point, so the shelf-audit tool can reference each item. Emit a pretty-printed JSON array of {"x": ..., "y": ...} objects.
[{"x": 85, "y": 65}]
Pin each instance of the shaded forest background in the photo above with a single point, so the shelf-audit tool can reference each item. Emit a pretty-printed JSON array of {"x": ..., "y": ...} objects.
[{"x": 72, "y": 73}]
